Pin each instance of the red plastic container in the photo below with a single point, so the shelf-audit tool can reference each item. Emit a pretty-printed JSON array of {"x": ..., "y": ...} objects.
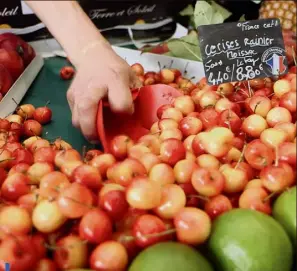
[{"x": 146, "y": 100}]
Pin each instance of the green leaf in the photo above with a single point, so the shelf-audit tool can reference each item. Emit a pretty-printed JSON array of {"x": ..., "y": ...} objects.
[
  {"x": 168, "y": 54},
  {"x": 188, "y": 11},
  {"x": 186, "y": 47},
  {"x": 206, "y": 14},
  {"x": 224, "y": 12},
  {"x": 242, "y": 18}
]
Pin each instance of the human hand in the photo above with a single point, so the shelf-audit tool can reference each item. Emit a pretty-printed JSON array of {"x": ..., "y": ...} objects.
[{"x": 101, "y": 73}]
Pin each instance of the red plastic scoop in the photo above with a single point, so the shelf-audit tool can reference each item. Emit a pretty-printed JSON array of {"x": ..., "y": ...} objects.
[{"x": 147, "y": 100}]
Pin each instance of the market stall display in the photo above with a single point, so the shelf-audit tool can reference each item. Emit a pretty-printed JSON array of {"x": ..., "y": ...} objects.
[
  {"x": 209, "y": 185},
  {"x": 213, "y": 153}
]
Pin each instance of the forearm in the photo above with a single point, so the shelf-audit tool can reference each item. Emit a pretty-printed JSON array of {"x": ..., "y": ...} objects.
[{"x": 69, "y": 25}]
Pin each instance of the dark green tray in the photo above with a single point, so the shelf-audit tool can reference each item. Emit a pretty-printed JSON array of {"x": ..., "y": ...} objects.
[{"x": 48, "y": 86}]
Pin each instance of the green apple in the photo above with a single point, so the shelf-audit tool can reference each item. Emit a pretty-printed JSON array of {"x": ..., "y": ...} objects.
[
  {"x": 170, "y": 256},
  {"x": 247, "y": 240},
  {"x": 284, "y": 211}
]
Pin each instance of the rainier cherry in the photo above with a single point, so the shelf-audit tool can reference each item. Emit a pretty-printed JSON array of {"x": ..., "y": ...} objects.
[
  {"x": 208, "y": 183},
  {"x": 289, "y": 128},
  {"x": 103, "y": 162},
  {"x": 183, "y": 171},
  {"x": 276, "y": 178},
  {"x": 19, "y": 252},
  {"x": 167, "y": 124},
  {"x": 47, "y": 217},
  {"x": 162, "y": 108},
  {"x": 258, "y": 155},
  {"x": 230, "y": 119},
  {"x": 43, "y": 115},
  {"x": 45, "y": 265},
  {"x": 254, "y": 125},
  {"x": 15, "y": 186},
  {"x": 172, "y": 113},
  {"x": 149, "y": 160},
  {"x": 217, "y": 205},
  {"x": 71, "y": 253},
  {"x": 119, "y": 146},
  {"x": 52, "y": 184},
  {"x": 32, "y": 128},
  {"x": 15, "y": 220},
  {"x": 145, "y": 226},
  {"x": 171, "y": 133},
  {"x": 288, "y": 101},
  {"x": 162, "y": 174},
  {"x": 114, "y": 204},
  {"x": 255, "y": 199},
  {"x": 75, "y": 201},
  {"x": 143, "y": 194},
  {"x": 44, "y": 154},
  {"x": 110, "y": 255},
  {"x": 173, "y": 200},
  {"x": 277, "y": 115},
  {"x": 95, "y": 226},
  {"x": 167, "y": 76},
  {"x": 26, "y": 111},
  {"x": 137, "y": 69},
  {"x": 235, "y": 179},
  {"x": 287, "y": 153},
  {"x": 208, "y": 161},
  {"x": 281, "y": 87},
  {"x": 184, "y": 104},
  {"x": 190, "y": 126},
  {"x": 192, "y": 226},
  {"x": 171, "y": 151},
  {"x": 88, "y": 176},
  {"x": 273, "y": 137},
  {"x": 260, "y": 105},
  {"x": 209, "y": 118},
  {"x": 225, "y": 89}
]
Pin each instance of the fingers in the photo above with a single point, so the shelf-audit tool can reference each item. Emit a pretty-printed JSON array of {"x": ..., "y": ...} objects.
[
  {"x": 119, "y": 95},
  {"x": 86, "y": 113},
  {"x": 135, "y": 83}
]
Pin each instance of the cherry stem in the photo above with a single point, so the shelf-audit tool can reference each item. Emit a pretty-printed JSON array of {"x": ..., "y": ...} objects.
[
  {"x": 159, "y": 234},
  {"x": 186, "y": 67},
  {"x": 241, "y": 156},
  {"x": 294, "y": 56},
  {"x": 47, "y": 103},
  {"x": 221, "y": 93},
  {"x": 269, "y": 197},
  {"x": 84, "y": 151},
  {"x": 157, "y": 132},
  {"x": 159, "y": 64},
  {"x": 276, "y": 157},
  {"x": 198, "y": 197},
  {"x": 55, "y": 247},
  {"x": 256, "y": 107}
]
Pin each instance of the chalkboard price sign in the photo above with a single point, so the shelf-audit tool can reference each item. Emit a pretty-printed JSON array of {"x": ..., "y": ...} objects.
[{"x": 242, "y": 51}]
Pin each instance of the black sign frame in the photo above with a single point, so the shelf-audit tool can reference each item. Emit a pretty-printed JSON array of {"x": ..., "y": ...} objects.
[{"x": 241, "y": 51}]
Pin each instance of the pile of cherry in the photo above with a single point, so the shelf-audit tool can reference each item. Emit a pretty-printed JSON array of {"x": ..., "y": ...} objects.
[{"x": 217, "y": 148}]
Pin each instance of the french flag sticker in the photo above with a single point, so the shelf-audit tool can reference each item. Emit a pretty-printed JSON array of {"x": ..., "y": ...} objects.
[{"x": 276, "y": 63}]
